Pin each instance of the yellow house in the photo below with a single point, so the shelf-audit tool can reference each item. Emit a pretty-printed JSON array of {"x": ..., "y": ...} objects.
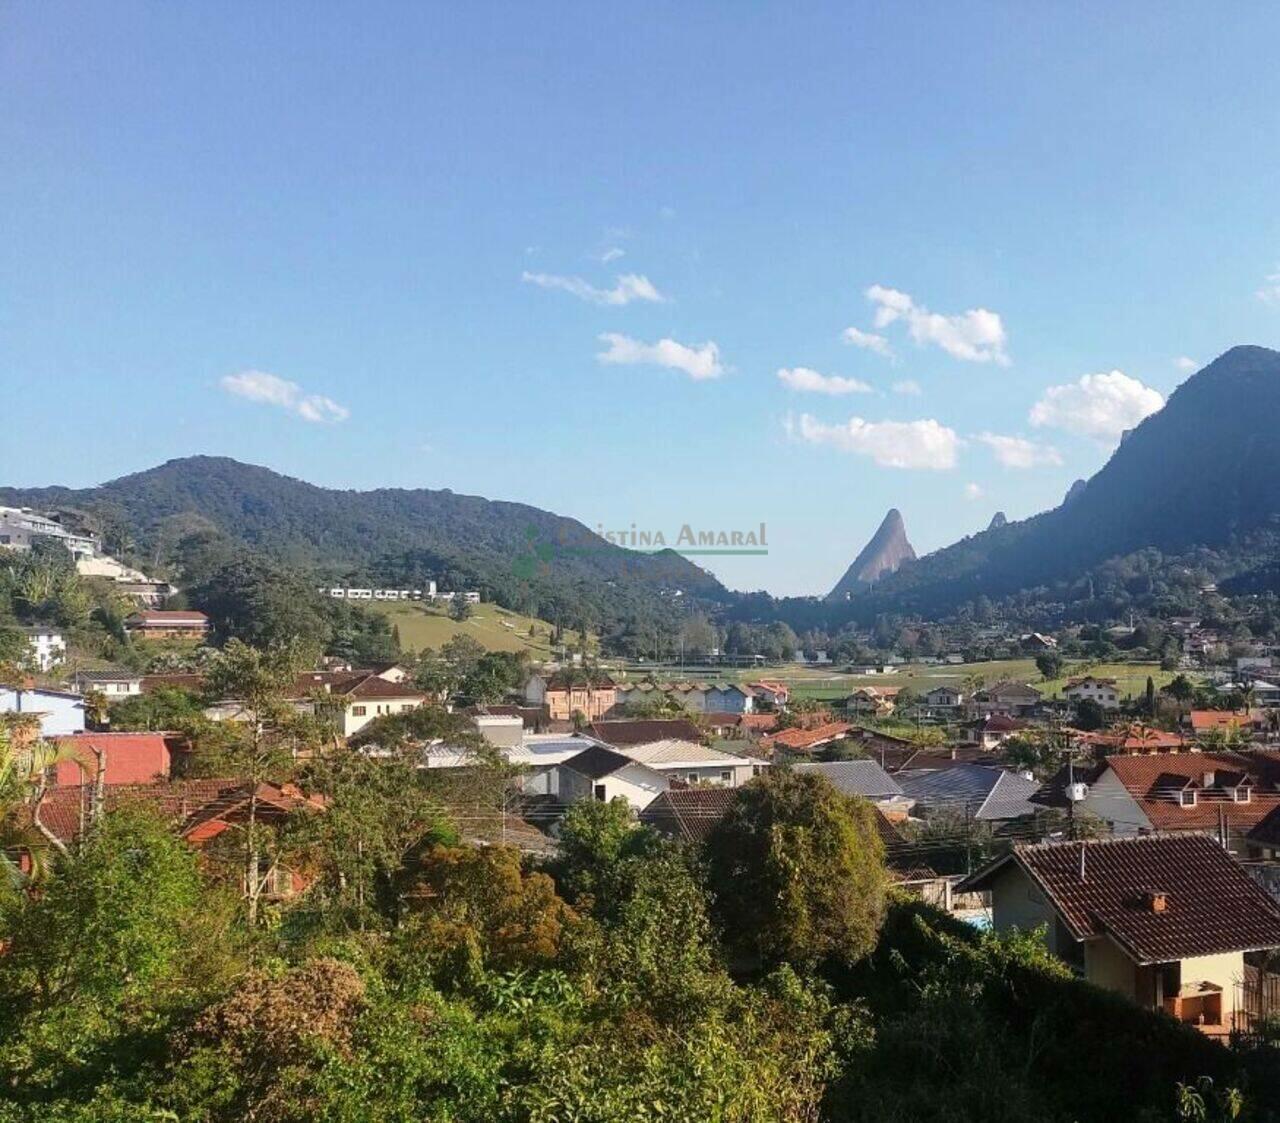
[{"x": 1169, "y": 921}]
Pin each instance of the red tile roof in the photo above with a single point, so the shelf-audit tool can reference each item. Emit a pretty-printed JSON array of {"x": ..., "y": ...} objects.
[
  {"x": 1153, "y": 779},
  {"x": 799, "y": 740},
  {"x": 191, "y": 805},
  {"x": 1211, "y": 905},
  {"x": 132, "y": 758},
  {"x": 1204, "y": 720}
]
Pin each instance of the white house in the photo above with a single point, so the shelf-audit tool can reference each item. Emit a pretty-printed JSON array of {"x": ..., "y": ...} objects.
[
  {"x": 45, "y": 645},
  {"x": 602, "y": 774},
  {"x": 1089, "y": 688},
  {"x": 58, "y": 711},
  {"x": 693, "y": 763},
  {"x": 115, "y": 682},
  {"x": 20, "y": 527}
]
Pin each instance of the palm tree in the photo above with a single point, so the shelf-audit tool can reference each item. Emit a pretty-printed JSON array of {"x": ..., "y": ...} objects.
[{"x": 25, "y": 763}]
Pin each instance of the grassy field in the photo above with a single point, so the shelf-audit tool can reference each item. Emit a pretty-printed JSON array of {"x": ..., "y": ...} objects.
[
  {"x": 826, "y": 684},
  {"x": 496, "y": 628}
]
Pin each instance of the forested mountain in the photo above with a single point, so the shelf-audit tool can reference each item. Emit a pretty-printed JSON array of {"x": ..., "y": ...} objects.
[
  {"x": 1202, "y": 474},
  {"x": 521, "y": 556}
]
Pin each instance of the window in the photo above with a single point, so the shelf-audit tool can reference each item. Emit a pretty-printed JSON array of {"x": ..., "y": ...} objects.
[
  {"x": 1187, "y": 797},
  {"x": 1242, "y": 794},
  {"x": 600, "y": 793},
  {"x": 359, "y": 711},
  {"x": 726, "y": 777}
]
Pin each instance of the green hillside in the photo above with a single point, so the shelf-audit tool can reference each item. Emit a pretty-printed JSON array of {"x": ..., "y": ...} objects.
[{"x": 498, "y": 629}]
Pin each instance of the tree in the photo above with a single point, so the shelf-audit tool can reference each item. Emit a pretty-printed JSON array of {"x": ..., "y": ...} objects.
[
  {"x": 263, "y": 744},
  {"x": 1090, "y": 715},
  {"x": 459, "y": 608},
  {"x": 797, "y": 871},
  {"x": 1049, "y": 664}
]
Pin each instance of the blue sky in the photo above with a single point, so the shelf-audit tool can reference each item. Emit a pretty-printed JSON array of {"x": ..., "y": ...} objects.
[{"x": 389, "y": 244}]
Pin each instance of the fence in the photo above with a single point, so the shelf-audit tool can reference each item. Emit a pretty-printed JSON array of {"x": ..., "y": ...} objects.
[{"x": 1257, "y": 999}]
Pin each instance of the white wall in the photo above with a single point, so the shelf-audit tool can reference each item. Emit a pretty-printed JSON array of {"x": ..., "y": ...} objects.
[
  {"x": 1111, "y": 802},
  {"x": 58, "y": 713}
]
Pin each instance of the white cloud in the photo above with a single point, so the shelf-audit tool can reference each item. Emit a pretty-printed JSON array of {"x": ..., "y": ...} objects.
[
  {"x": 891, "y": 444},
  {"x": 1098, "y": 405},
  {"x": 1186, "y": 364},
  {"x": 976, "y": 336},
  {"x": 1018, "y": 452},
  {"x": 972, "y": 492},
  {"x": 1269, "y": 293},
  {"x": 811, "y": 382},
  {"x": 612, "y": 254},
  {"x": 629, "y": 287},
  {"x": 699, "y": 361},
  {"x": 908, "y": 387},
  {"x": 271, "y": 389},
  {"x": 868, "y": 341}
]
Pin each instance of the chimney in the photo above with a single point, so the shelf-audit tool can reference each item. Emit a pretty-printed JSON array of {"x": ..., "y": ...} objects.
[
  {"x": 1208, "y": 779},
  {"x": 1157, "y": 901}
]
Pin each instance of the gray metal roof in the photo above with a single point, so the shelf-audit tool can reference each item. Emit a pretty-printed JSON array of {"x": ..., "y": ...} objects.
[
  {"x": 857, "y": 777},
  {"x": 985, "y": 792}
]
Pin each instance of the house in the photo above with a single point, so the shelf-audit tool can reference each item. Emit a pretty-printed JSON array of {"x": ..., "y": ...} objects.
[
  {"x": 1166, "y": 920},
  {"x": 1226, "y": 793},
  {"x": 46, "y": 647},
  {"x": 978, "y": 792},
  {"x": 568, "y": 692},
  {"x": 727, "y": 697},
  {"x": 873, "y": 701},
  {"x": 159, "y": 624},
  {"x": 114, "y": 682},
  {"x": 1105, "y": 692},
  {"x": 621, "y": 733},
  {"x": 1013, "y": 699},
  {"x": 775, "y": 694},
  {"x": 1135, "y": 738},
  {"x": 356, "y": 698},
  {"x": 688, "y": 814},
  {"x": 364, "y": 697},
  {"x": 1037, "y": 641},
  {"x": 800, "y": 740},
  {"x": 21, "y": 527},
  {"x": 130, "y": 758},
  {"x": 602, "y": 774},
  {"x": 57, "y": 710},
  {"x": 943, "y": 699},
  {"x": 688, "y": 695},
  {"x": 199, "y": 810},
  {"x": 1225, "y": 722},
  {"x": 991, "y": 732},
  {"x": 866, "y": 779},
  {"x": 692, "y": 763}
]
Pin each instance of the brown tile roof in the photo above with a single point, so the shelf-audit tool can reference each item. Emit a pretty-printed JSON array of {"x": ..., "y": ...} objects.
[
  {"x": 183, "y": 619},
  {"x": 374, "y": 687},
  {"x": 760, "y": 723},
  {"x": 688, "y": 813},
  {"x": 1211, "y": 905},
  {"x": 1154, "y": 780},
  {"x": 800, "y": 740},
  {"x": 641, "y": 732}
]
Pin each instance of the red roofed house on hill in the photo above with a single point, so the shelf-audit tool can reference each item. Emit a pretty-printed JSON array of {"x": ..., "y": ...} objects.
[
  {"x": 1169, "y": 921},
  {"x": 154, "y": 623}
]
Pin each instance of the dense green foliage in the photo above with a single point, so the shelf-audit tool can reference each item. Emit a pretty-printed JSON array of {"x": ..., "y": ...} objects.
[{"x": 424, "y": 979}]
